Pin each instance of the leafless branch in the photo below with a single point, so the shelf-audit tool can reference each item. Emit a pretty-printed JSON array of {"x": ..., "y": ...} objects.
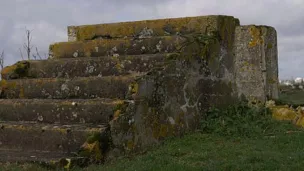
[
  {"x": 38, "y": 53},
  {"x": 2, "y": 60},
  {"x": 27, "y": 46}
]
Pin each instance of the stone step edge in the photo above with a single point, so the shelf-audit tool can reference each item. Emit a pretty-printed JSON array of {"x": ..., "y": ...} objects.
[
  {"x": 39, "y": 158},
  {"x": 55, "y": 111},
  {"x": 124, "y": 57},
  {"x": 142, "y": 28},
  {"x": 89, "y": 66},
  {"x": 46, "y": 126},
  {"x": 128, "y": 76}
]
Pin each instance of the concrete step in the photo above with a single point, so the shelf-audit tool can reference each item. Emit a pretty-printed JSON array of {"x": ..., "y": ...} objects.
[
  {"x": 58, "y": 111},
  {"x": 45, "y": 138},
  {"x": 82, "y": 67},
  {"x": 146, "y": 28},
  {"x": 110, "y": 47},
  {"x": 60, "y": 88},
  {"x": 21, "y": 156}
]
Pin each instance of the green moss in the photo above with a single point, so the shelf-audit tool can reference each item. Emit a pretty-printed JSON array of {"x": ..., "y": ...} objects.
[
  {"x": 3, "y": 83},
  {"x": 172, "y": 56},
  {"x": 119, "y": 109},
  {"x": 272, "y": 81},
  {"x": 18, "y": 70},
  {"x": 21, "y": 93},
  {"x": 22, "y": 68},
  {"x": 92, "y": 151},
  {"x": 7, "y": 84},
  {"x": 93, "y": 137},
  {"x": 226, "y": 30},
  {"x": 86, "y": 33},
  {"x": 199, "y": 45},
  {"x": 269, "y": 45}
]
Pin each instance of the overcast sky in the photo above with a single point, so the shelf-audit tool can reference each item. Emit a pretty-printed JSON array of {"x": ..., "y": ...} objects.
[{"x": 49, "y": 20}]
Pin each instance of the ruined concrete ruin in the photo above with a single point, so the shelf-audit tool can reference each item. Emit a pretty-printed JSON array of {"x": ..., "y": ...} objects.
[{"x": 118, "y": 88}]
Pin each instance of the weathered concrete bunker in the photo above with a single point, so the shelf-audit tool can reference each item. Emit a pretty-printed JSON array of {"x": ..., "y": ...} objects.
[{"x": 119, "y": 88}]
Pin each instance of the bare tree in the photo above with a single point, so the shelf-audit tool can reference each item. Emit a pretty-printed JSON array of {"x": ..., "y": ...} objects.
[
  {"x": 27, "y": 46},
  {"x": 2, "y": 60},
  {"x": 37, "y": 54}
]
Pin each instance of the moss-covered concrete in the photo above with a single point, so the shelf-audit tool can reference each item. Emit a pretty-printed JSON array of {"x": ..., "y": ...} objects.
[
  {"x": 44, "y": 137},
  {"x": 67, "y": 111},
  {"x": 86, "y": 67},
  {"x": 168, "y": 104},
  {"x": 19, "y": 69},
  {"x": 146, "y": 28},
  {"x": 115, "y": 47},
  {"x": 210, "y": 61},
  {"x": 170, "y": 100},
  {"x": 79, "y": 87}
]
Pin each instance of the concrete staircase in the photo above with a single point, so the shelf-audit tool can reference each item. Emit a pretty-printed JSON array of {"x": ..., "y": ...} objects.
[
  {"x": 48, "y": 108},
  {"x": 49, "y": 112}
]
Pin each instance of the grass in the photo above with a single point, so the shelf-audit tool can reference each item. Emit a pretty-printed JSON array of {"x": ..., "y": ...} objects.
[
  {"x": 292, "y": 96},
  {"x": 239, "y": 138}
]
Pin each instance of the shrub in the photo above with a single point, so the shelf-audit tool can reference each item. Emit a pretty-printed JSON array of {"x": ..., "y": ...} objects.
[{"x": 242, "y": 120}]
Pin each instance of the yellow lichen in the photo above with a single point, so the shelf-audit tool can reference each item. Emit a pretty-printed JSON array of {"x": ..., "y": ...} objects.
[
  {"x": 116, "y": 114},
  {"x": 3, "y": 84},
  {"x": 21, "y": 94},
  {"x": 256, "y": 35},
  {"x": 272, "y": 81},
  {"x": 8, "y": 70},
  {"x": 130, "y": 144},
  {"x": 129, "y": 57},
  {"x": 61, "y": 130},
  {"x": 19, "y": 69},
  {"x": 283, "y": 113},
  {"x": 86, "y": 32},
  {"x": 7, "y": 84},
  {"x": 91, "y": 150},
  {"x": 163, "y": 130},
  {"x": 159, "y": 27},
  {"x": 133, "y": 88},
  {"x": 92, "y": 131}
]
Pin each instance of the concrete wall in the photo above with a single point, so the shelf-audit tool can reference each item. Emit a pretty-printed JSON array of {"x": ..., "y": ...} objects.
[
  {"x": 240, "y": 63},
  {"x": 172, "y": 99},
  {"x": 256, "y": 62}
]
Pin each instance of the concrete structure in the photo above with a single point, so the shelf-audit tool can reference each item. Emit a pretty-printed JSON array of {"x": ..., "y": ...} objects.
[{"x": 119, "y": 88}]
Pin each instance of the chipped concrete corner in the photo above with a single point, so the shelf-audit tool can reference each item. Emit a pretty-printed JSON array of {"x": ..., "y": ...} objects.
[{"x": 179, "y": 69}]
